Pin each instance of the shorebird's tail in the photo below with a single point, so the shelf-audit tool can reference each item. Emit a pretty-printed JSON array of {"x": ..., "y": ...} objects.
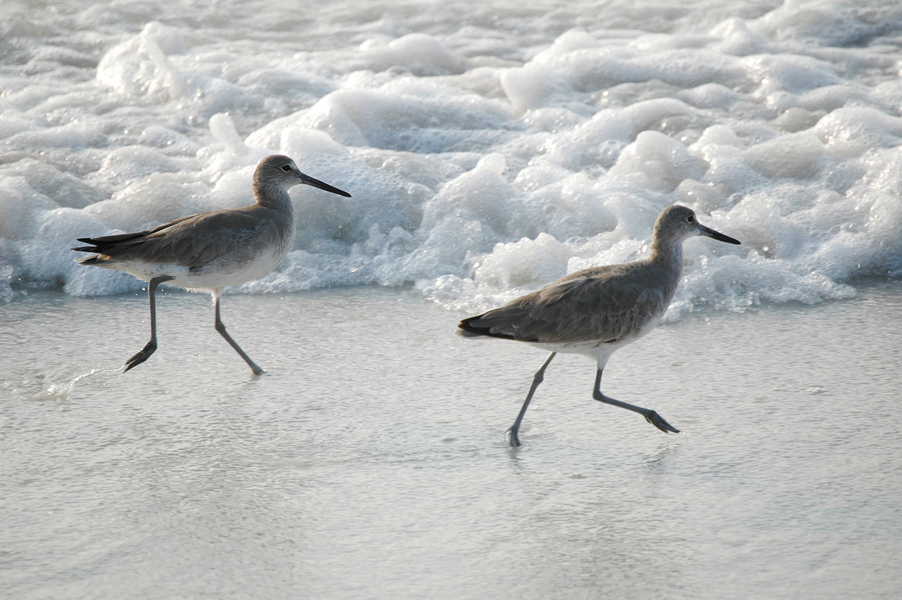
[
  {"x": 465, "y": 330},
  {"x": 470, "y": 327},
  {"x": 106, "y": 248},
  {"x": 108, "y": 243}
]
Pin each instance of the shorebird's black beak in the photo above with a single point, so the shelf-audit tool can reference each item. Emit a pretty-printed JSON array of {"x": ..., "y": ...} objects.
[
  {"x": 325, "y": 186},
  {"x": 707, "y": 231}
]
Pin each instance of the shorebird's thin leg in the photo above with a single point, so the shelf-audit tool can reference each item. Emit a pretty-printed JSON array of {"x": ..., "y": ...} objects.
[
  {"x": 151, "y": 345},
  {"x": 222, "y": 331},
  {"x": 536, "y": 380},
  {"x": 650, "y": 415}
]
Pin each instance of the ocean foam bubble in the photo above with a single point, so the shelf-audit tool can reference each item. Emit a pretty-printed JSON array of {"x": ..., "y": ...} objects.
[{"x": 484, "y": 160}]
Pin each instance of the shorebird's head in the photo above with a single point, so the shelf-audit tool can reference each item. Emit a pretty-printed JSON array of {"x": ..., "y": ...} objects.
[
  {"x": 281, "y": 171},
  {"x": 677, "y": 223}
]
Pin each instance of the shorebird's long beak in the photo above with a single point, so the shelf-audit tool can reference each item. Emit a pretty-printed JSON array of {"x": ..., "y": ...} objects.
[
  {"x": 306, "y": 179},
  {"x": 707, "y": 231}
]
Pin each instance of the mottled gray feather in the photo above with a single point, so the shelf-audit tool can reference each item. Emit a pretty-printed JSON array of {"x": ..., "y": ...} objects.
[
  {"x": 604, "y": 304},
  {"x": 226, "y": 232}
]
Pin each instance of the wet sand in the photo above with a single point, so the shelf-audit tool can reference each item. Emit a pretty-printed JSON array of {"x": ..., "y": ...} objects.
[{"x": 371, "y": 460}]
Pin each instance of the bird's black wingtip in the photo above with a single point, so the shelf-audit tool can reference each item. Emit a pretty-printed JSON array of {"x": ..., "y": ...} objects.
[
  {"x": 464, "y": 329},
  {"x": 468, "y": 329}
]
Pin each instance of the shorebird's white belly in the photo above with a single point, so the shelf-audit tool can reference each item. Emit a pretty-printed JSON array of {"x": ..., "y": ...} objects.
[
  {"x": 216, "y": 275},
  {"x": 599, "y": 350}
]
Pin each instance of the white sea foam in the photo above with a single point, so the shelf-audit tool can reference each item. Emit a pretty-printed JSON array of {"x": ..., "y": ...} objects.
[{"x": 485, "y": 158}]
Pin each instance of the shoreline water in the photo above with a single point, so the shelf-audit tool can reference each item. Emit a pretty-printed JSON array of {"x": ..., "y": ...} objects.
[
  {"x": 490, "y": 149},
  {"x": 371, "y": 460}
]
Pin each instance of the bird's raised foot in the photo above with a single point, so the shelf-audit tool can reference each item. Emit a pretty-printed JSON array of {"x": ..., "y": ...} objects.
[
  {"x": 148, "y": 349},
  {"x": 659, "y": 422}
]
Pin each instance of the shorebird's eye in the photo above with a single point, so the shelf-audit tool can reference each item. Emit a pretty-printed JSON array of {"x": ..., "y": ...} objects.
[
  {"x": 690, "y": 219},
  {"x": 286, "y": 168}
]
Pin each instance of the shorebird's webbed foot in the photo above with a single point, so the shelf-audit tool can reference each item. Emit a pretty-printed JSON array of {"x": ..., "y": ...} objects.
[
  {"x": 659, "y": 422},
  {"x": 650, "y": 415},
  {"x": 148, "y": 349},
  {"x": 514, "y": 439}
]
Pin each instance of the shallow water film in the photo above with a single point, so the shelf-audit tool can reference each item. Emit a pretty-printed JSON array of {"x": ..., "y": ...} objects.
[{"x": 489, "y": 149}]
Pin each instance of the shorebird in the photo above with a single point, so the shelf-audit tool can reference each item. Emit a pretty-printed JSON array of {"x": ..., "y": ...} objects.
[
  {"x": 598, "y": 310},
  {"x": 212, "y": 250}
]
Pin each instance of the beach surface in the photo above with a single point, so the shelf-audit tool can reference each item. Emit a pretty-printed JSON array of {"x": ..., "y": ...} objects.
[
  {"x": 370, "y": 460},
  {"x": 489, "y": 148}
]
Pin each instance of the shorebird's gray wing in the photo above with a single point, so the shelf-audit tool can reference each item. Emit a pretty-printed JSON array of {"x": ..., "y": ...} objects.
[
  {"x": 201, "y": 239},
  {"x": 606, "y": 304},
  {"x": 192, "y": 241}
]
